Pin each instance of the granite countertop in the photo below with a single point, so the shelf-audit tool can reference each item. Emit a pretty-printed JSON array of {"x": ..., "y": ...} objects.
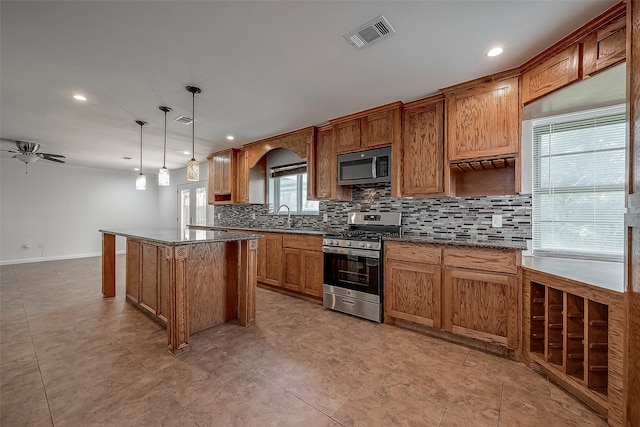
[
  {"x": 263, "y": 230},
  {"x": 490, "y": 244},
  {"x": 174, "y": 237}
]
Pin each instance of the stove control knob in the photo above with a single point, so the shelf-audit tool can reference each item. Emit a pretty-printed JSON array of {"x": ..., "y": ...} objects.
[
  {"x": 325, "y": 241},
  {"x": 335, "y": 242},
  {"x": 368, "y": 245},
  {"x": 348, "y": 243},
  {"x": 361, "y": 244}
]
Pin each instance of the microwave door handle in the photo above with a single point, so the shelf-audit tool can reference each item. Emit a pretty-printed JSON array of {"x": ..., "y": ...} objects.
[{"x": 373, "y": 167}]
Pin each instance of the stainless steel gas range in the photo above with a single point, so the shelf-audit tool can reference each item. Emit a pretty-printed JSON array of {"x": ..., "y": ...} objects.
[{"x": 353, "y": 278}]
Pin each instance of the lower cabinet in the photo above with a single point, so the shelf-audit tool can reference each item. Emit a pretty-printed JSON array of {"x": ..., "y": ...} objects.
[
  {"x": 471, "y": 292},
  {"x": 270, "y": 259},
  {"x": 303, "y": 264},
  {"x": 412, "y": 280}
]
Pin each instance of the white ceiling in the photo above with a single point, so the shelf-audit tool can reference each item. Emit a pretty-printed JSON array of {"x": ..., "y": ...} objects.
[{"x": 265, "y": 67}]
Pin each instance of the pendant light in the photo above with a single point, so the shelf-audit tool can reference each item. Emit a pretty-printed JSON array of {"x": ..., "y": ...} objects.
[
  {"x": 141, "y": 180},
  {"x": 193, "y": 167},
  {"x": 163, "y": 173}
]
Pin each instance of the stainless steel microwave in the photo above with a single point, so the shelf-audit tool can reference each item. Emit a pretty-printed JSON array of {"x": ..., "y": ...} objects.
[{"x": 365, "y": 167}]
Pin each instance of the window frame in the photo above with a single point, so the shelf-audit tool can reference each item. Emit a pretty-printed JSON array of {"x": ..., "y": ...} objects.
[
  {"x": 301, "y": 193},
  {"x": 538, "y": 190}
]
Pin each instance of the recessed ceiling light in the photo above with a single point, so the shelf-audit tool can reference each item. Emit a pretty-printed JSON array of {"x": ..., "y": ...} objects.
[
  {"x": 230, "y": 137},
  {"x": 186, "y": 152},
  {"x": 136, "y": 169},
  {"x": 79, "y": 97},
  {"x": 495, "y": 51}
]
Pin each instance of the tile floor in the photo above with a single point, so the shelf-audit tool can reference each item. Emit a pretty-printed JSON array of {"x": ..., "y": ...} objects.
[{"x": 71, "y": 358}]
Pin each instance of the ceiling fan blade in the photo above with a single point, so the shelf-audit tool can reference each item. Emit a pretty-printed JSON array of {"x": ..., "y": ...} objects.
[
  {"x": 52, "y": 159},
  {"x": 9, "y": 150},
  {"x": 52, "y": 155}
]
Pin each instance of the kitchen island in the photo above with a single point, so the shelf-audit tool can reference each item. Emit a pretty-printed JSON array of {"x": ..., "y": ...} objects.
[{"x": 190, "y": 280}]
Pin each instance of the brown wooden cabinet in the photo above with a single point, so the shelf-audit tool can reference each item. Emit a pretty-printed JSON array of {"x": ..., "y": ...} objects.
[
  {"x": 412, "y": 280},
  {"x": 605, "y": 47},
  {"x": 222, "y": 176},
  {"x": 483, "y": 121},
  {"x": 270, "y": 259},
  {"x": 480, "y": 294},
  {"x": 303, "y": 263},
  {"x": 231, "y": 180},
  {"x": 553, "y": 74},
  {"x": 326, "y": 168},
  {"x": 368, "y": 129},
  {"x": 572, "y": 331},
  {"x": 147, "y": 277},
  {"x": 471, "y": 292},
  {"x": 418, "y": 162}
]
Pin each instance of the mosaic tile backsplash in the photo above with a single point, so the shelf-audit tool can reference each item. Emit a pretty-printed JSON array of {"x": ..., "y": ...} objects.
[{"x": 465, "y": 219}]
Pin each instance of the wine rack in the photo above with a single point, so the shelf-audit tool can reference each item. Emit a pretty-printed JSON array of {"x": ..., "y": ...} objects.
[{"x": 568, "y": 335}]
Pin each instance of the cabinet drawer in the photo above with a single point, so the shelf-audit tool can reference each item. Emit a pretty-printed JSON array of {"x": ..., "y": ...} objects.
[
  {"x": 491, "y": 260},
  {"x": 413, "y": 252},
  {"x": 302, "y": 241}
]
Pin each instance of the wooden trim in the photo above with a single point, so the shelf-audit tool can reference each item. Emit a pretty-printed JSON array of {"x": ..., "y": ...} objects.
[
  {"x": 248, "y": 263},
  {"x": 576, "y": 36},
  {"x": 108, "y": 265},
  {"x": 297, "y": 141},
  {"x": 178, "y": 316},
  {"x": 364, "y": 113},
  {"x": 631, "y": 327},
  {"x": 472, "y": 84},
  {"x": 431, "y": 99}
]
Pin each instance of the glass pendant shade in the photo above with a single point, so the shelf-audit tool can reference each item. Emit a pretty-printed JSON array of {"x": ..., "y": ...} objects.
[
  {"x": 141, "y": 182},
  {"x": 163, "y": 177},
  {"x": 193, "y": 167},
  {"x": 193, "y": 170}
]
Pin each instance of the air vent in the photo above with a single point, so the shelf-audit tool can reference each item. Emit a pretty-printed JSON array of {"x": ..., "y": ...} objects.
[
  {"x": 184, "y": 120},
  {"x": 370, "y": 32}
]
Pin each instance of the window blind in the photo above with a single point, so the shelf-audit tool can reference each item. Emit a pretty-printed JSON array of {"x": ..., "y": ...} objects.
[{"x": 579, "y": 185}]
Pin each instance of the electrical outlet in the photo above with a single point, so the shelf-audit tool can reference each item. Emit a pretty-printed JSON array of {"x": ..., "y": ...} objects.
[
  {"x": 496, "y": 221},
  {"x": 325, "y": 217},
  {"x": 253, "y": 215},
  {"x": 218, "y": 216}
]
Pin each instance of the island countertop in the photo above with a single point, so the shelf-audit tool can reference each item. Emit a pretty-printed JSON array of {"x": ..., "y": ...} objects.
[{"x": 176, "y": 237}]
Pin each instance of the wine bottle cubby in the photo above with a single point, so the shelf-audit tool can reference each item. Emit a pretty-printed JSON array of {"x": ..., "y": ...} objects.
[{"x": 568, "y": 335}]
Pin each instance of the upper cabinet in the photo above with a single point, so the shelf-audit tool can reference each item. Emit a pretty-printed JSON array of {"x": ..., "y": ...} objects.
[
  {"x": 605, "y": 47},
  {"x": 594, "y": 47},
  {"x": 324, "y": 169},
  {"x": 222, "y": 176},
  {"x": 552, "y": 74},
  {"x": 368, "y": 129},
  {"x": 232, "y": 181},
  {"x": 420, "y": 173},
  {"x": 483, "y": 121}
]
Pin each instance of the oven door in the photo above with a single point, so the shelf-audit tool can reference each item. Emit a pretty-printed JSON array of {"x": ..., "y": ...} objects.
[{"x": 358, "y": 270}]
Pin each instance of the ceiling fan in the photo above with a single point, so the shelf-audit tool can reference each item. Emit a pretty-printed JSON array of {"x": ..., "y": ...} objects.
[{"x": 27, "y": 152}]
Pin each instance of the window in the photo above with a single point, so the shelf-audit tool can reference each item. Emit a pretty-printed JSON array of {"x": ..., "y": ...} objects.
[
  {"x": 579, "y": 184},
  {"x": 288, "y": 186}
]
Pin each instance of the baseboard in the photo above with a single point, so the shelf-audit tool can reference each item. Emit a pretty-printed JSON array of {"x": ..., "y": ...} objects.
[{"x": 54, "y": 258}]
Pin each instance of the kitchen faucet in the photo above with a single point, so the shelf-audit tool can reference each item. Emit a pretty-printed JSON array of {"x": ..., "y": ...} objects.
[{"x": 288, "y": 214}]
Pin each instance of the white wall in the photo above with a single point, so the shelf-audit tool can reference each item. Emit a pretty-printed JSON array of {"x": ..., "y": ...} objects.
[{"x": 63, "y": 206}]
